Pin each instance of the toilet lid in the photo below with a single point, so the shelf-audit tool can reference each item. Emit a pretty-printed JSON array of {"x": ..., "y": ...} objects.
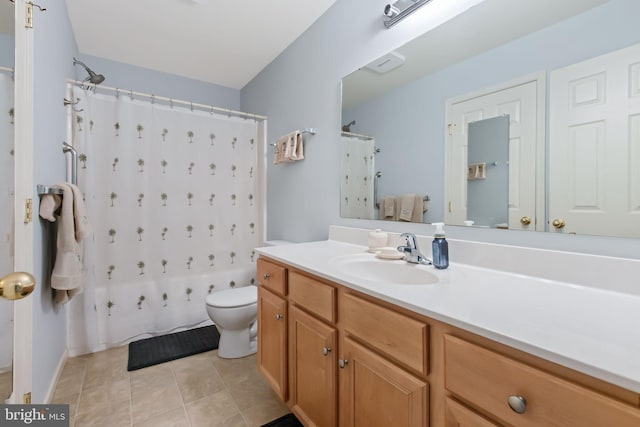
[{"x": 236, "y": 297}]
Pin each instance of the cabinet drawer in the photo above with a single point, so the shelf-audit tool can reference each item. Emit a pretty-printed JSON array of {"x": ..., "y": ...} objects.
[
  {"x": 396, "y": 335},
  {"x": 457, "y": 415},
  {"x": 487, "y": 380},
  {"x": 317, "y": 297},
  {"x": 271, "y": 276}
]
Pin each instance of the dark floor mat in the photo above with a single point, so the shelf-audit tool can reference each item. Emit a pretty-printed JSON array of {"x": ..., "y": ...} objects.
[
  {"x": 151, "y": 351},
  {"x": 288, "y": 420}
]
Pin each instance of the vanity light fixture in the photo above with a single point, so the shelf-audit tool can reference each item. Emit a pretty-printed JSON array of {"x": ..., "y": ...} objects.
[{"x": 400, "y": 9}]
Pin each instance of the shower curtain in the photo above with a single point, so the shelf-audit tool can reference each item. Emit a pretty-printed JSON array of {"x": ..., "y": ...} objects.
[
  {"x": 356, "y": 183},
  {"x": 171, "y": 194},
  {"x": 6, "y": 216}
]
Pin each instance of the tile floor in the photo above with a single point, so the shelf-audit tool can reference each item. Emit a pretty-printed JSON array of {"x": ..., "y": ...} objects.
[
  {"x": 6, "y": 384},
  {"x": 201, "y": 390}
]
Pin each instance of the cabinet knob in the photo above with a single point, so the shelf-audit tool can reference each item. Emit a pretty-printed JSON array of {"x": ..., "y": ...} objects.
[
  {"x": 558, "y": 223},
  {"x": 266, "y": 276},
  {"x": 525, "y": 220},
  {"x": 279, "y": 316},
  {"x": 326, "y": 350},
  {"x": 517, "y": 404},
  {"x": 342, "y": 363}
]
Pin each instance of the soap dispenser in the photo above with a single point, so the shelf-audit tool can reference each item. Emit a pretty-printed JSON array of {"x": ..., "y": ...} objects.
[{"x": 440, "y": 247}]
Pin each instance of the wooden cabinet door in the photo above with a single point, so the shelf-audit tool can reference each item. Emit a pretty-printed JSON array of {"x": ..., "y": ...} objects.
[
  {"x": 272, "y": 340},
  {"x": 312, "y": 368},
  {"x": 376, "y": 393},
  {"x": 457, "y": 415}
]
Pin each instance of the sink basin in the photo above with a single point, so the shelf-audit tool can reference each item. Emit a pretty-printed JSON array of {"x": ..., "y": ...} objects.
[{"x": 368, "y": 267}]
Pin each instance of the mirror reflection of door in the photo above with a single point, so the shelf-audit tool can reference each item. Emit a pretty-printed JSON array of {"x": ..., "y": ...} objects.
[
  {"x": 523, "y": 103},
  {"x": 488, "y": 172},
  {"x": 594, "y": 146},
  {"x": 6, "y": 226}
]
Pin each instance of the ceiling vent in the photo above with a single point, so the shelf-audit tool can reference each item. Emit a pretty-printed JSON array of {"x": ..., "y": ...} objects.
[{"x": 386, "y": 63}]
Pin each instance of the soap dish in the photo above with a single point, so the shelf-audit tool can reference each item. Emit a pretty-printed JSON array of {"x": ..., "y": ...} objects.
[{"x": 389, "y": 253}]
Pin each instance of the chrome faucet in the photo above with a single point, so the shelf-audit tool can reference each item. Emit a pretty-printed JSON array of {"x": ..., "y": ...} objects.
[{"x": 411, "y": 251}]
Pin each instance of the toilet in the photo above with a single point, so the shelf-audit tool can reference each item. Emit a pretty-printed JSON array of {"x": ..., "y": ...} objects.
[{"x": 234, "y": 313}]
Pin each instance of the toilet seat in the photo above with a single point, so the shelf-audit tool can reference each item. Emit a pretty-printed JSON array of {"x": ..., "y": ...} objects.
[{"x": 236, "y": 297}]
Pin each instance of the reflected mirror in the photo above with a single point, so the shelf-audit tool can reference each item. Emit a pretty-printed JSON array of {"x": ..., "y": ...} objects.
[
  {"x": 6, "y": 170},
  {"x": 549, "y": 51},
  {"x": 488, "y": 173}
]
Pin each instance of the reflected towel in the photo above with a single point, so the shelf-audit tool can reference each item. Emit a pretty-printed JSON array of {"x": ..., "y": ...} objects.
[
  {"x": 388, "y": 207},
  {"x": 419, "y": 208},
  {"x": 407, "y": 206}
]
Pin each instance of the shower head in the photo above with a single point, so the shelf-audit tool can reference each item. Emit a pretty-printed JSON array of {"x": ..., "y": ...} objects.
[
  {"x": 93, "y": 78},
  {"x": 347, "y": 127}
]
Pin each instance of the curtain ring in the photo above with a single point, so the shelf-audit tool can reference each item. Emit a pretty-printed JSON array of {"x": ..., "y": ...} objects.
[
  {"x": 153, "y": 99},
  {"x": 117, "y": 93},
  {"x": 211, "y": 112},
  {"x": 191, "y": 107},
  {"x": 171, "y": 102},
  {"x": 131, "y": 94}
]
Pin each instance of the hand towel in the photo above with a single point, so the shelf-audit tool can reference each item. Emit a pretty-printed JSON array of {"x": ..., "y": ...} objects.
[
  {"x": 289, "y": 148},
  {"x": 387, "y": 207},
  {"x": 407, "y": 205},
  {"x": 67, "y": 278},
  {"x": 49, "y": 204},
  {"x": 419, "y": 208},
  {"x": 279, "y": 149}
]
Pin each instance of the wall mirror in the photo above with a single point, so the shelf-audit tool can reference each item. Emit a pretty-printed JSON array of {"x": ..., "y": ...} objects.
[
  {"x": 7, "y": 47},
  {"x": 570, "y": 51}
]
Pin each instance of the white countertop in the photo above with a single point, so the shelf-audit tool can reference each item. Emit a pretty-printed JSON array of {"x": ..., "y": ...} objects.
[{"x": 591, "y": 330}]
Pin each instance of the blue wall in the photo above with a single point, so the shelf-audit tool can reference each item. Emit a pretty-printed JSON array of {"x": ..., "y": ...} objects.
[
  {"x": 130, "y": 77},
  {"x": 301, "y": 88},
  {"x": 54, "y": 45},
  {"x": 7, "y": 57}
]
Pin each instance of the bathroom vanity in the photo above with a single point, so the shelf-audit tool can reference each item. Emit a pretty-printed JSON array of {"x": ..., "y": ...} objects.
[{"x": 471, "y": 347}]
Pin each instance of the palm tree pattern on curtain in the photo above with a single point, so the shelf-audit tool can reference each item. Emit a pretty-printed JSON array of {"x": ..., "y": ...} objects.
[
  {"x": 356, "y": 182},
  {"x": 167, "y": 230}
]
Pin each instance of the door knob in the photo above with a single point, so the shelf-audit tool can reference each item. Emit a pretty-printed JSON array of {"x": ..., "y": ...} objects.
[
  {"x": 558, "y": 223},
  {"x": 17, "y": 285},
  {"x": 525, "y": 220}
]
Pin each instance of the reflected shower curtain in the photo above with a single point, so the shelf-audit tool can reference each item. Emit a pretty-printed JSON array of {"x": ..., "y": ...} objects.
[
  {"x": 6, "y": 216},
  {"x": 356, "y": 183},
  {"x": 171, "y": 196}
]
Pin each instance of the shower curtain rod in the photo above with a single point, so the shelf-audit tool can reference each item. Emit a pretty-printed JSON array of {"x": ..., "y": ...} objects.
[
  {"x": 7, "y": 69},
  {"x": 171, "y": 101}
]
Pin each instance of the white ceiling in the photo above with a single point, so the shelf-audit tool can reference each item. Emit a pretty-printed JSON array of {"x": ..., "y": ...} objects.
[{"x": 222, "y": 42}]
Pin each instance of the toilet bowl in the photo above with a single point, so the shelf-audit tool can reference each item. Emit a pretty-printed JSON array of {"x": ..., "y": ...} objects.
[{"x": 234, "y": 313}]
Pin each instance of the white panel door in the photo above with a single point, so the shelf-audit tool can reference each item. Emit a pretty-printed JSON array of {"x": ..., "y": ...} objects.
[
  {"x": 594, "y": 146},
  {"x": 521, "y": 103}
]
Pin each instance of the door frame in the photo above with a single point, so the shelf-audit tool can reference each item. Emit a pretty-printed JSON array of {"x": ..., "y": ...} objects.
[
  {"x": 540, "y": 78},
  {"x": 23, "y": 229}
]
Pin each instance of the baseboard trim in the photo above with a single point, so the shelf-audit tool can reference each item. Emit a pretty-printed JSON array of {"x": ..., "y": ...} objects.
[{"x": 54, "y": 382}]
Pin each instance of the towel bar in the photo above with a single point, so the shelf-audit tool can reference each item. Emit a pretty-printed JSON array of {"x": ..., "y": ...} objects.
[
  {"x": 310, "y": 131},
  {"x": 43, "y": 189},
  {"x": 66, "y": 148}
]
